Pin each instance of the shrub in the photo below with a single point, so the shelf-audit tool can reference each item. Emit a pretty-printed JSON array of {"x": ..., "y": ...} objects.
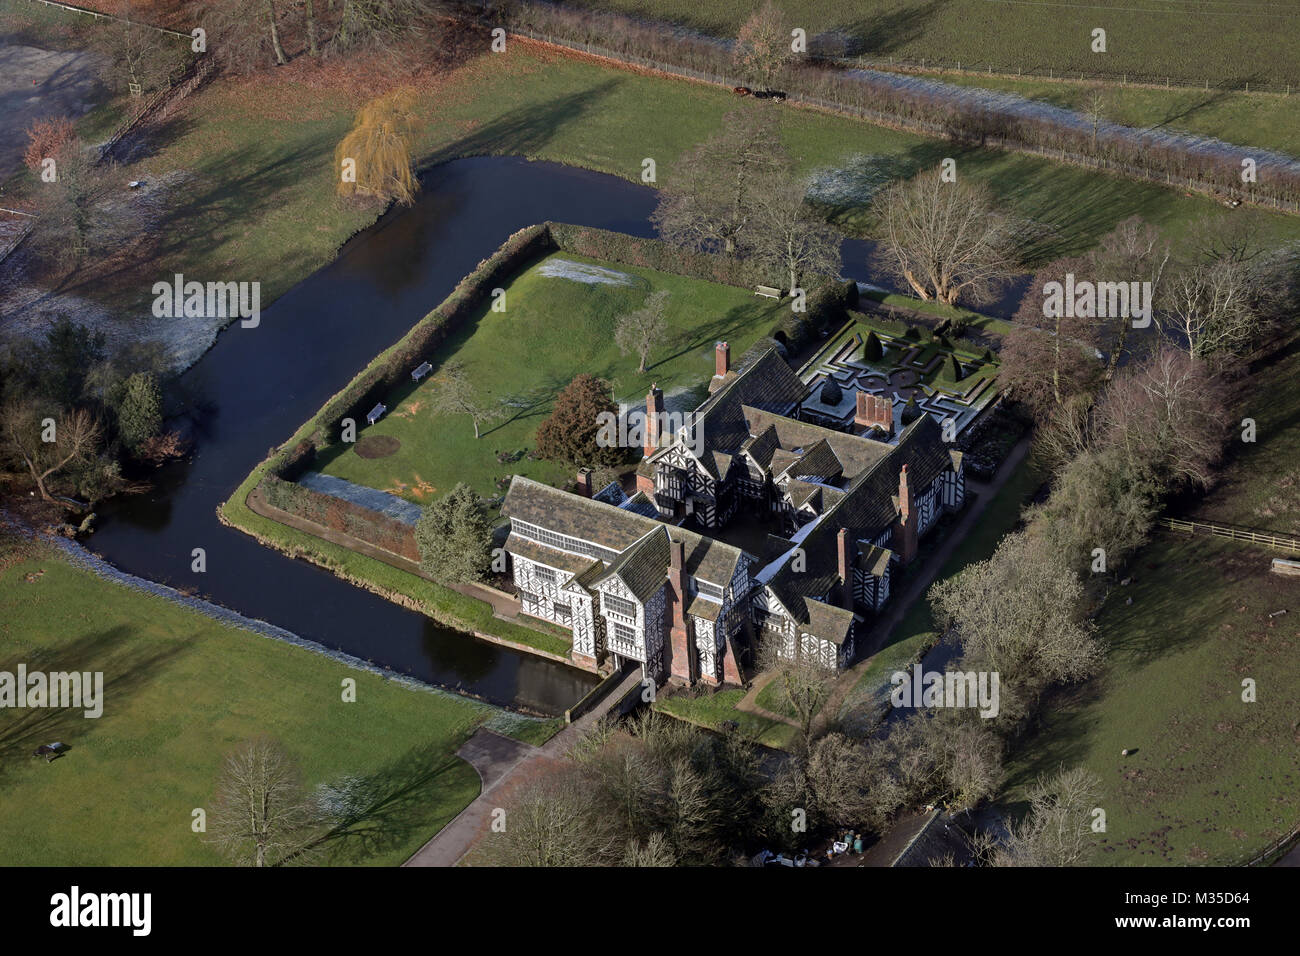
[
  {"x": 832, "y": 394},
  {"x": 47, "y": 138},
  {"x": 874, "y": 350}
]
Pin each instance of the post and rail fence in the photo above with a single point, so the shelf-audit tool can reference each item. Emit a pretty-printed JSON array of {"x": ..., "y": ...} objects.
[{"x": 1263, "y": 538}]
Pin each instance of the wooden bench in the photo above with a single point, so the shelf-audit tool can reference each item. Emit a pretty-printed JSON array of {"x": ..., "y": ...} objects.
[
  {"x": 767, "y": 292},
  {"x": 375, "y": 413},
  {"x": 419, "y": 373}
]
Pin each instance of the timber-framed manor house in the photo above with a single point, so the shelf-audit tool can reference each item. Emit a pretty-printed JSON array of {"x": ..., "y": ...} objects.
[{"x": 649, "y": 578}]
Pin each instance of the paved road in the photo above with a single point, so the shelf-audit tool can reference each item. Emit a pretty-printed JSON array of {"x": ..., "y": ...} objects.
[{"x": 501, "y": 762}]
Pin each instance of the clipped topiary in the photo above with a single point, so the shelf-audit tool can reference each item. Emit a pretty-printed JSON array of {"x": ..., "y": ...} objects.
[
  {"x": 874, "y": 350},
  {"x": 911, "y": 411},
  {"x": 832, "y": 394}
]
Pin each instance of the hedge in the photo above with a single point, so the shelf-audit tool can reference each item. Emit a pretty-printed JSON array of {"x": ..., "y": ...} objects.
[{"x": 372, "y": 527}]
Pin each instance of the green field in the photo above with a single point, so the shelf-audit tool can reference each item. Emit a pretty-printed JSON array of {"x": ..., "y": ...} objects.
[
  {"x": 553, "y": 329},
  {"x": 254, "y": 195},
  {"x": 713, "y": 709},
  {"x": 1214, "y": 780},
  {"x": 1261, "y": 120},
  {"x": 180, "y": 692},
  {"x": 1193, "y": 40}
]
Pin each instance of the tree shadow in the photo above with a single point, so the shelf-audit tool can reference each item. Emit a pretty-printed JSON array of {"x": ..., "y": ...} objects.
[
  {"x": 387, "y": 808},
  {"x": 888, "y": 31},
  {"x": 524, "y": 130},
  {"x": 127, "y": 669}
]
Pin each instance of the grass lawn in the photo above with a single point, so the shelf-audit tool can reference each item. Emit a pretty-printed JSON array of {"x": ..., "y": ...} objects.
[
  {"x": 1183, "y": 38},
  {"x": 553, "y": 329},
  {"x": 1261, "y": 120},
  {"x": 713, "y": 709},
  {"x": 255, "y": 195},
  {"x": 1214, "y": 780},
  {"x": 181, "y": 691},
  {"x": 974, "y": 320}
]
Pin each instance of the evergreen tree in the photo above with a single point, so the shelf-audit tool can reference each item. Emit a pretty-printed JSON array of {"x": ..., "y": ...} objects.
[
  {"x": 139, "y": 411},
  {"x": 454, "y": 537},
  {"x": 573, "y": 429},
  {"x": 874, "y": 350}
]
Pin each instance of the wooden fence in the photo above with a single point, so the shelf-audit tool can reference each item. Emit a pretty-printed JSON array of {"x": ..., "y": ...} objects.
[
  {"x": 108, "y": 16},
  {"x": 1250, "y": 195},
  {"x": 1262, "y": 538},
  {"x": 162, "y": 103}
]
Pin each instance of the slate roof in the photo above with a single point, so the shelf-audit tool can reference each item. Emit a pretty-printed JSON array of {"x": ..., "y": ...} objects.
[
  {"x": 868, "y": 506},
  {"x": 709, "y": 610},
  {"x": 766, "y": 382},
  {"x": 829, "y": 622},
  {"x": 614, "y": 528},
  {"x": 874, "y": 560},
  {"x": 856, "y": 454},
  {"x": 548, "y": 556},
  {"x": 642, "y": 567},
  {"x": 817, "y": 462}
]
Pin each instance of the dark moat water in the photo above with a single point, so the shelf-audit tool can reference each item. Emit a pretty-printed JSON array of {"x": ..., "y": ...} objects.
[{"x": 256, "y": 386}]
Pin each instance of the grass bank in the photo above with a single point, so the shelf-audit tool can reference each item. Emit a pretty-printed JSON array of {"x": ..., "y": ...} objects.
[{"x": 180, "y": 692}]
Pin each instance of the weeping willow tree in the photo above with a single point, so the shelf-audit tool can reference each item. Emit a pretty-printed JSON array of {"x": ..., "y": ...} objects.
[{"x": 375, "y": 158}]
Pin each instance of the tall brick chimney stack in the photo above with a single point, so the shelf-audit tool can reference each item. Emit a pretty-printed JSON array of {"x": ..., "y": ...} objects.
[
  {"x": 844, "y": 549},
  {"x": 905, "y": 532},
  {"x": 584, "y": 482},
  {"x": 681, "y": 666},
  {"x": 721, "y": 358},
  {"x": 654, "y": 415},
  {"x": 874, "y": 411}
]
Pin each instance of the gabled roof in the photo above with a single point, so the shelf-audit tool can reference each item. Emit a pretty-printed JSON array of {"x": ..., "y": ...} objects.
[
  {"x": 874, "y": 560},
  {"x": 829, "y": 622},
  {"x": 817, "y": 463},
  {"x": 643, "y": 566},
  {"x": 868, "y": 505},
  {"x": 855, "y": 453},
  {"x": 766, "y": 381},
  {"x": 613, "y": 528}
]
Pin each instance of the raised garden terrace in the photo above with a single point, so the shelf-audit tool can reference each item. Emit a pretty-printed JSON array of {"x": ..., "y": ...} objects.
[{"x": 948, "y": 380}]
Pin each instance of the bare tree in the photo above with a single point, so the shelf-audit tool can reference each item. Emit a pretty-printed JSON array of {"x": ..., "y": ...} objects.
[
  {"x": 1095, "y": 106},
  {"x": 654, "y": 852},
  {"x": 1133, "y": 251},
  {"x": 948, "y": 240},
  {"x": 71, "y": 220},
  {"x": 1048, "y": 361},
  {"x": 709, "y": 202},
  {"x": 47, "y": 446},
  {"x": 763, "y": 48},
  {"x": 1211, "y": 307},
  {"x": 1168, "y": 412},
  {"x": 554, "y": 822},
  {"x": 260, "y": 814},
  {"x": 384, "y": 25},
  {"x": 1020, "y": 614},
  {"x": 455, "y": 394},
  {"x": 641, "y": 330},
  {"x": 802, "y": 679},
  {"x": 790, "y": 237},
  {"x": 245, "y": 35},
  {"x": 1057, "y": 830}
]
